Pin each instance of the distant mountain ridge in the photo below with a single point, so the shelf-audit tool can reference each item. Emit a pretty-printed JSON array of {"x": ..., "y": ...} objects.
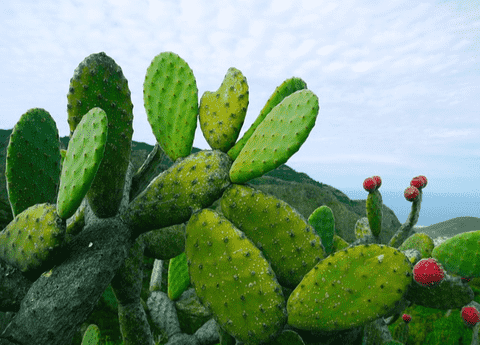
[{"x": 296, "y": 188}]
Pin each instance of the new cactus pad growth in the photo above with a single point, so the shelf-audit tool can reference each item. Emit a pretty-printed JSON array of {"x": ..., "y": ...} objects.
[
  {"x": 374, "y": 204},
  {"x": 221, "y": 113},
  {"x": 323, "y": 221}
]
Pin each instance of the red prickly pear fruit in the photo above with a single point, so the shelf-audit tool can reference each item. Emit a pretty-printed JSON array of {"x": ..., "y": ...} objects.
[
  {"x": 466, "y": 279},
  {"x": 407, "y": 318},
  {"x": 470, "y": 316},
  {"x": 369, "y": 184},
  {"x": 411, "y": 193},
  {"x": 428, "y": 272},
  {"x": 419, "y": 182},
  {"x": 378, "y": 180}
]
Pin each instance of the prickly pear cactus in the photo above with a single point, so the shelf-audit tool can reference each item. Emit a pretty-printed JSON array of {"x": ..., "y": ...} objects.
[
  {"x": 323, "y": 221},
  {"x": 33, "y": 151},
  {"x": 222, "y": 112},
  {"x": 99, "y": 82},
  {"x": 421, "y": 242},
  {"x": 31, "y": 241},
  {"x": 233, "y": 279},
  {"x": 350, "y": 288},
  {"x": 91, "y": 335},
  {"x": 374, "y": 212},
  {"x": 288, "y": 87},
  {"x": 83, "y": 158},
  {"x": 277, "y": 137},
  {"x": 460, "y": 254},
  {"x": 178, "y": 278},
  {"x": 170, "y": 95},
  {"x": 286, "y": 239}
]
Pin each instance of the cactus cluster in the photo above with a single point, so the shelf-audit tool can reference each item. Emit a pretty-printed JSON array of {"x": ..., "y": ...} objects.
[{"x": 264, "y": 272}]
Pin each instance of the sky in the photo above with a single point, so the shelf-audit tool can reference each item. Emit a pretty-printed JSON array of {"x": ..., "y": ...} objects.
[{"x": 398, "y": 82}]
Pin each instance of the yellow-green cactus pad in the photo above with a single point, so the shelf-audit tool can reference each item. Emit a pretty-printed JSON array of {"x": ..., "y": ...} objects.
[
  {"x": 233, "y": 279},
  {"x": 277, "y": 138},
  {"x": 289, "y": 243},
  {"x": 222, "y": 112},
  {"x": 170, "y": 96},
  {"x": 83, "y": 158},
  {"x": 32, "y": 239},
  {"x": 350, "y": 288},
  {"x": 33, "y": 161},
  {"x": 421, "y": 242}
]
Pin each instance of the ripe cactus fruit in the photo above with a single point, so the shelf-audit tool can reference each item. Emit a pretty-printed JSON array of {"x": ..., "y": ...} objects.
[
  {"x": 350, "y": 288},
  {"x": 31, "y": 241},
  {"x": 323, "y": 221},
  {"x": 190, "y": 184},
  {"x": 233, "y": 279},
  {"x": 99, "y": 82},
  {"x": 411, "y": 193},
  {"x": 83, "y": 158},
  {"x": 221, "y": 113},
  {"x": 277, "y": 137},
  {"x": 419, "y": 182},
  {"x": 428, "y": 272},
  {"x": 91, "y": 335},
  {"x": 460, "y": 254},
  {"x": 374, "y": 204},
  {"x": 288, "y": 87},
  {"x": 286, "y": 239},
  {"x": 470, "y": 316},
  {"x": 406, "y": 318},
  {"x": 170, "y": 96},
  {"x": 178, "y": 278},
  {"x": 33, "y": 150}
]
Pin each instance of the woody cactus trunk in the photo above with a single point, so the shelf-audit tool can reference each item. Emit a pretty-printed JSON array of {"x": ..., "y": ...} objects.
[{"x": 87, "y": 218}]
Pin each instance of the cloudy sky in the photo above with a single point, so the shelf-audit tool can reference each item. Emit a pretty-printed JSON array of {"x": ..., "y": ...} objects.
[{"x": 398, "y": 82}]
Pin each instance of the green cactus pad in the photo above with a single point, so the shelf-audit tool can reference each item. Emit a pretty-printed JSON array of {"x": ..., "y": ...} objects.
[
  {"x": 460, "y": 254},
  {"x": 338, "y": 244},
  {"x": 33, "y": 161},
  {"x": 362, "y": 228},
  {"x": 222, "y": 112},
  {"x": 374, "y": 212},
  {"x": 421, "y": 242},
  {"x": 323, "y": 221},
  {"x": 286, "y": 239},
  {"x": 233, "y": 279},
  {"x": 190, "y": 184},
  {"x": 288, "y": 87},
  {"x": 31, "y": 241},
  {"x": 277, "y": 138},
  {"x": 350, "y": 288},
  {"x": 99, "y": 82},
  {"x": 178, "y": 278},
  {"x": 83, "y": 158},
  {"x": 91, "y": 335},
  {"x": 170, "y": 97}
]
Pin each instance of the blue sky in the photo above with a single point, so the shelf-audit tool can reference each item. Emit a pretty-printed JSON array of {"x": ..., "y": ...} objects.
[{"x": 398, "y": 82}]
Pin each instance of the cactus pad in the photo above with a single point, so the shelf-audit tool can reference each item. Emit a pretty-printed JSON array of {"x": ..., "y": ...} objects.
[
  {"x": 33, "y": 161},
  {"x": 421, "y": 242},
  {"x": 286, "y": 239},
  {"x": 222, "y": 112},
  {"x": 99, "y": 82},
  {"x": 170, "y": 96},
  {"x": 288, "y": 87},
  {"x": 91, "y": 335},
  {"x": 277, "y": 138},
  {"x": 178, "y": 278},
  {"x": 374, "y": 212},
  {"x": 323, "y": 221},
  {"x": 233, "y": 279},
  {"x": 460, "y": 254},
  {"x": 350, "y": 288},
  {"x": 31, "y": 240},
  {"x": 83, "y": 158},
  {"x": 190, "y": 184}
]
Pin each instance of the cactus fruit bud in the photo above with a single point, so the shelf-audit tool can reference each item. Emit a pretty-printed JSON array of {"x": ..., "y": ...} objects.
[
  {"x": 378, "y": 180},
  {"x": 407, "y": 318},
  {"x": 470, "y": 316},
  {"x": 411, "y": 193},
  {"x": 419, "y": 182},
  {"x": 466, "y": 280},
  {"x": 428, "y": 272},
  {"x": 369, "y": 184}
]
